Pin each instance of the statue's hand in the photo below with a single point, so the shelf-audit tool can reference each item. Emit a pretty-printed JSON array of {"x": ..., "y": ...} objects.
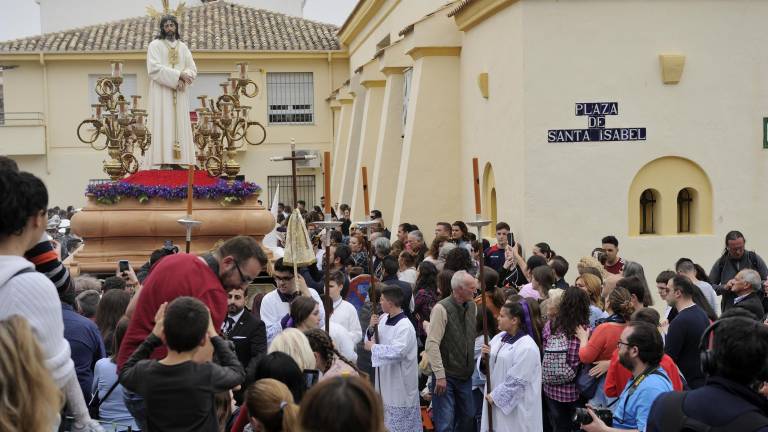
[
  {"x": 185, "y": 78},
  {"x": 180, "y": 86}
]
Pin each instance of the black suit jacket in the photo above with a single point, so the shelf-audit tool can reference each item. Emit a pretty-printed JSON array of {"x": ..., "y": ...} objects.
[
  {"x": 250, "y": 339},
  {"x": 752, "y": 303}
]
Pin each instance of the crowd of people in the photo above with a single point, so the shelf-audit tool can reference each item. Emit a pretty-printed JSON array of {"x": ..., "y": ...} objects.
[{"x": 400, "y": 338}]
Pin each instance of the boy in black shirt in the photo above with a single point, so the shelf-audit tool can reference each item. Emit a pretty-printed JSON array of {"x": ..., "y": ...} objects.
[{"x": 178, "y": 391}]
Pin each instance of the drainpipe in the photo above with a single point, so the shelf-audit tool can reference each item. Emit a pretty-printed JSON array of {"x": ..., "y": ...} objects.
[
  {"x": 330, "y": 90},
  {"x": 45, "y": 110}
]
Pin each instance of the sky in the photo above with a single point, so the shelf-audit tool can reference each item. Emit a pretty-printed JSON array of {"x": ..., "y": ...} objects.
[{"x": 20, "y": 18}]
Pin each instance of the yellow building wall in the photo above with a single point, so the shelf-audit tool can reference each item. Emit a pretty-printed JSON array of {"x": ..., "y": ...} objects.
[{"x": 70, "y": 164}]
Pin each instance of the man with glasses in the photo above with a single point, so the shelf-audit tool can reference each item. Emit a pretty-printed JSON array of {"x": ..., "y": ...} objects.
[
  {"x": 376, "y": 217},
  {"x": 640, "y": 350},
  {"x": 208, "y": 278},
  {"x": 735, "y": 258},
  {"x": 277, "y": 303}
]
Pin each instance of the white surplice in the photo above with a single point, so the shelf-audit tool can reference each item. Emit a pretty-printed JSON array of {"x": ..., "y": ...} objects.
[
  {"x": 397, "y": 379},
  {"x": 516, "y": 380},
  {"x": 345, "y": 315},
  {"x": 273, "y": 309},
  {"x": 163, "y": 79}
]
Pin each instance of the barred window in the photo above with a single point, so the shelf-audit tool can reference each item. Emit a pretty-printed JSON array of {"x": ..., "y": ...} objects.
[
  {"x": 648, "y": 211},
  {"x": 290, "y": 96}
]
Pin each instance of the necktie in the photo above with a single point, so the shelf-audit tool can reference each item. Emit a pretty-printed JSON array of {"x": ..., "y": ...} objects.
[{"x": 229, "y": 323}]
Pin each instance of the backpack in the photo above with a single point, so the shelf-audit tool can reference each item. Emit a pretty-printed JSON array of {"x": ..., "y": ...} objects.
[
  {"x": 674, "y": 419},
  {"x": 555, "y": 369}
]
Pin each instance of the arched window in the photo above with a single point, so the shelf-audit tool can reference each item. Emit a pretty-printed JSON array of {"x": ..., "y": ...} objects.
[
  {"x": 684, "y": 211},
  {"x": 647, "y": 212}
]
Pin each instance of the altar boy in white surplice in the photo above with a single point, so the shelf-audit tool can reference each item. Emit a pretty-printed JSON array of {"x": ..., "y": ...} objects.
[
  {"x": 397, "y": 378},
  {"x": 171, "y": 71}
]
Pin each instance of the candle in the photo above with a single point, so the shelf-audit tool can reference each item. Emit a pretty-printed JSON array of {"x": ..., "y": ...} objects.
[
  {"x": 117, "y": 69},
  {"x": 96, "y": 111},
  {"x": 202, "y": 100},
  {"x": 243, "y": 70},
  {"x": 233, "y": 84},
  {"x": 476, "y": 179},
  {"x": 121, "y": 106},
  {"x": 190, "y": 181},
  {"x": 135, "y": 101},
  {"x": 327, "y": 169},
  {"x": 225, "y": 87},
  {"x": 226, "y": 108}
]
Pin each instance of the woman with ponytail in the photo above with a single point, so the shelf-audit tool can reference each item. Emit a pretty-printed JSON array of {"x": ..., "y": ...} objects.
[
  {"x": 271, "y": 408},
  {"x": 515, "y": 367},
  {"x": 328, "y": 360}
]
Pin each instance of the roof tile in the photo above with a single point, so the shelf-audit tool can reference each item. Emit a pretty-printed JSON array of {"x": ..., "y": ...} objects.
[{"x": 215, "y": 26}]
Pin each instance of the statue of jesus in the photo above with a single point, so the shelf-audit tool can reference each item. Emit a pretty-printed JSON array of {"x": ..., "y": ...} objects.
[{"x": 171, "y": 70}]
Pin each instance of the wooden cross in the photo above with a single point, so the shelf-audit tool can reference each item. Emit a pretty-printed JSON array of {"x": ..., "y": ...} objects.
[{"x": 293, "y": 158}]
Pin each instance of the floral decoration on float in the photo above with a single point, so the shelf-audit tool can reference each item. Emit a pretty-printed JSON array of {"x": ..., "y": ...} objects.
[{"x": 171, "y": 186}]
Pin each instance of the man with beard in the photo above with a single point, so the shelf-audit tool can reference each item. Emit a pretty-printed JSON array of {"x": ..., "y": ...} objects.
[
  {"x": 208, "y": 278},
  {"x": 640, "y": 350},
  {"x": 248, "y": 333},
  {"x": 171, "y": 70}
]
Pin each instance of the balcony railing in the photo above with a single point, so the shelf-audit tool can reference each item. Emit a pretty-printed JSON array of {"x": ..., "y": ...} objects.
[{"x": 22, "y": 133}]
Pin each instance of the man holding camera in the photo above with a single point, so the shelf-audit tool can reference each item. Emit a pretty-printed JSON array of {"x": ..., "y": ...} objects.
[{"x": 640, "y": 350}]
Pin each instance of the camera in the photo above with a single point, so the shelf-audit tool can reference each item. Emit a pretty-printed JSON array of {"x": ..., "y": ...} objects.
[
  {"x": 511, "y": 239},
  {"x": 169, "y": 248},
  {"x": 581, "y": 416}
]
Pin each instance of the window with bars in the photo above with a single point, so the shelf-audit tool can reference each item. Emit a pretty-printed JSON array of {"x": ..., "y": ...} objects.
[
  {"x": 684, "y": 211},
  {"x": 290, "y": 97},
  {"x": 305, "y": 189},
  {"x": 647, "y": 212}
]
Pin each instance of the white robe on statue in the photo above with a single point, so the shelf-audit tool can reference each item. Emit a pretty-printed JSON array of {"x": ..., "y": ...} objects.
[
  {"x": 162, "y": 84},
  {"x": 516, "y": 380},
  {"x": 397, "y": 380}
]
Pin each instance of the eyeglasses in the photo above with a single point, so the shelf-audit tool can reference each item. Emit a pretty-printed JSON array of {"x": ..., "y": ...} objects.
[
  {"x": 283, "y": 278},
  {"x": 619, "y": 343},
  {"x": 243, "y": 279}
]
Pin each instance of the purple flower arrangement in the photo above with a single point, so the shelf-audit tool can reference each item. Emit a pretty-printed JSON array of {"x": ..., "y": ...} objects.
[{"x": 111, "y": 193}]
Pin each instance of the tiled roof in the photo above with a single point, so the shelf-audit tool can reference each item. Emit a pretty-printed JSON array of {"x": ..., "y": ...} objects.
[{"x": 215, "y": 26}]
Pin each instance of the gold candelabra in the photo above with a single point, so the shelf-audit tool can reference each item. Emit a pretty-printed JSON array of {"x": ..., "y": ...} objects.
[
  {"x": 223, "y": 126},
  {"x": 124, "y": 129}
]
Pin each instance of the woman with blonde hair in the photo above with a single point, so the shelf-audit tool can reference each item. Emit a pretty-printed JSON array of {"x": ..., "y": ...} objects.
[
  {"x": 270, "y": 407},
  {"x": 592, "y": 285},
  {"x": 293, "y": 342},
  {"x": 29, "y": 399}
]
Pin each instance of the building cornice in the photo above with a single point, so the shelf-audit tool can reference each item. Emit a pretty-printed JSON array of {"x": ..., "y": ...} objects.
[
  {"x": 472, "y": 12},
  {"x": 419, "y": 52}
]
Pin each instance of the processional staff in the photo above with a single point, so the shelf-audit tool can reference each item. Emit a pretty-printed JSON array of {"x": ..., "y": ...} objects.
[
  {"x": 329, "y": 225},
  {"x": 293, "y": 158},
  {"x": 187, "y": 221},
  {"x": 479, "y": 223}
]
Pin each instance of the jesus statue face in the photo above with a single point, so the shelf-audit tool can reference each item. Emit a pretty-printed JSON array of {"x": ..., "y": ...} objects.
[{"x": 169, "y": 28}]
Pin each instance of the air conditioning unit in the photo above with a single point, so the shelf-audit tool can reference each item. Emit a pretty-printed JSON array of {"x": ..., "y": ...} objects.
[{"x": 308, "y": 164}]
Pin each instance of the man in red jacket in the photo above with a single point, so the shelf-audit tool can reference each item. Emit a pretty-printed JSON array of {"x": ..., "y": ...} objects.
[{"x": 208, "y": 278}]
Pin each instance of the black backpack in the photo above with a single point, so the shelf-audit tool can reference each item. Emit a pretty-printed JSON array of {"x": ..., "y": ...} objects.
[{"x": 674, "y": 419}]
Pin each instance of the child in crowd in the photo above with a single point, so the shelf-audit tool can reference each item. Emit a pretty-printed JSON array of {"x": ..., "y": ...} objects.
[{"x": 178, "y": 392}]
